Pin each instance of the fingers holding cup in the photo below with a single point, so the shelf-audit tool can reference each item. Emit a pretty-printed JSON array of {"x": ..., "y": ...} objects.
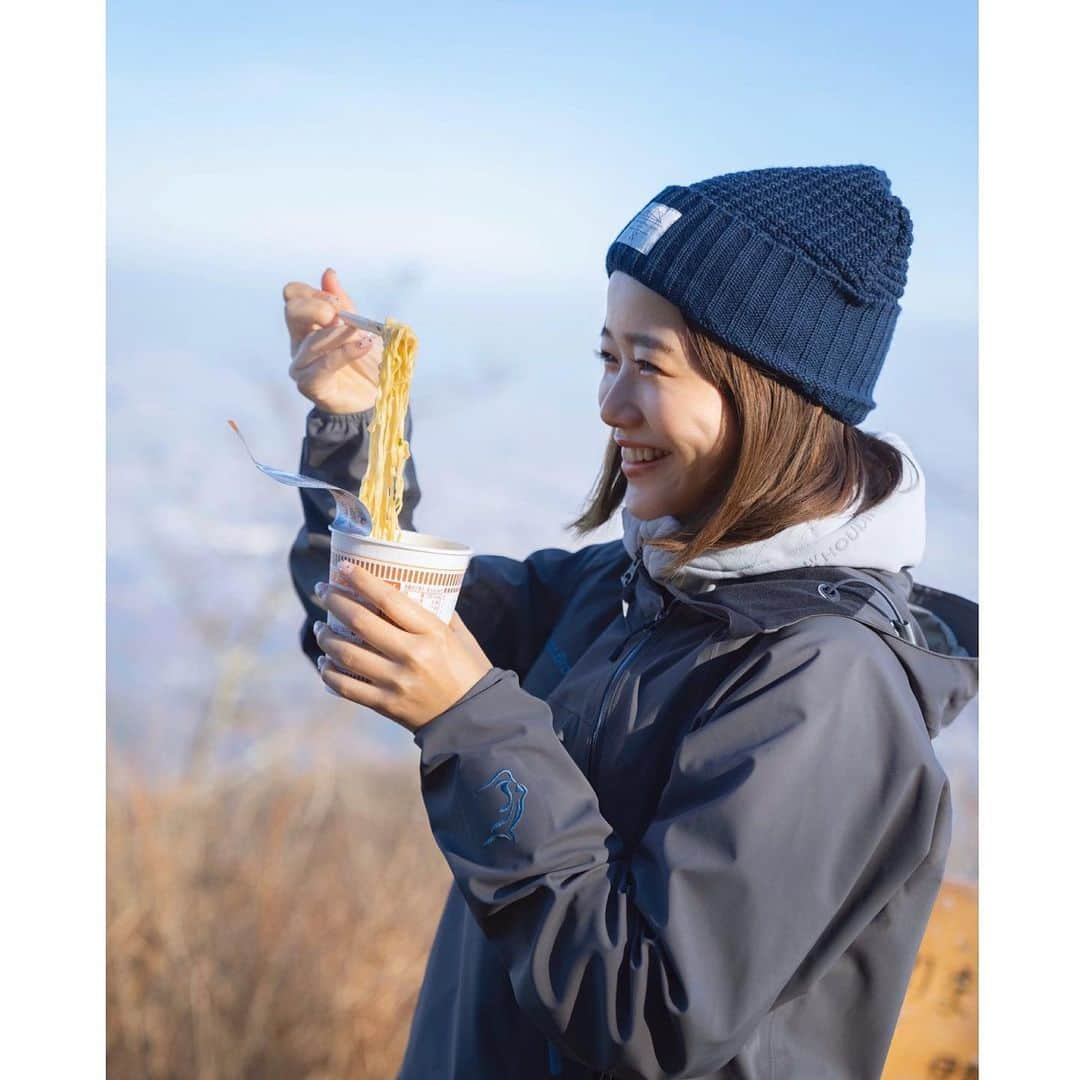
[
  {"x": 354, "y": 658},
  {"x": 351, "y": 687},
  {"x": 394, "y": 604},
  {"x": 376, "y": 627}
]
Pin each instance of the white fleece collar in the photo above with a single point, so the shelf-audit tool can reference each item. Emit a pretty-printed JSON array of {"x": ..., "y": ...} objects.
[{"x": 889, "y": 537}]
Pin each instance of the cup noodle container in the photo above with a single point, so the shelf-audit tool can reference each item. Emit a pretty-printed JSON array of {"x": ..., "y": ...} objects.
[{"x": 426, "y": 568}]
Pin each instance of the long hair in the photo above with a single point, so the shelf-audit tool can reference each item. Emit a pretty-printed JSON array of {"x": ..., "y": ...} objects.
[{"x": 794, "y": 462}]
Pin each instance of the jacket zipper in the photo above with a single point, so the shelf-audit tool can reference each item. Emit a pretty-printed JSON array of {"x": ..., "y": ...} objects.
[
  {"x": 627, "y": 580},
  {"x": 614, "y": 683},
  {"x": 594, "y": 737}
]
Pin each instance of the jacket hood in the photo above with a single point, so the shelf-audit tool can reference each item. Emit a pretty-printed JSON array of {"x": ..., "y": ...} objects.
[
  {"x": 855, "y": 565},
  {"x": 890, "y": 536}
]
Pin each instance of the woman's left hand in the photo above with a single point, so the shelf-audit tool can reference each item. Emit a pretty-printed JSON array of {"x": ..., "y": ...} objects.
[{"x": 415, "y": 666}]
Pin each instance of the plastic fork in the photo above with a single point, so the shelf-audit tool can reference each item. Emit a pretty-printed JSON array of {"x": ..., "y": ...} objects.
[{"x": 352, "y": 515}]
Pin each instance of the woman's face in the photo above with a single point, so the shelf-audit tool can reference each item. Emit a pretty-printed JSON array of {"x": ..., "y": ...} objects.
[{"x": 655, "y": 394}]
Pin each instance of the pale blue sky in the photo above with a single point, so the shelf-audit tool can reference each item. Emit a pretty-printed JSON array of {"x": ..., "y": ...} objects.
[{"x": 508, "y": 143}]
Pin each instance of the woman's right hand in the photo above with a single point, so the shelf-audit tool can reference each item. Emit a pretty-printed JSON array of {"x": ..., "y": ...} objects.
[{"x": 334, "y": 365}]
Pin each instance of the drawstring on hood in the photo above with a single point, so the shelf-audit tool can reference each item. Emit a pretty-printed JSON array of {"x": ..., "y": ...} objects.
[{"x": 900, "y": 624}]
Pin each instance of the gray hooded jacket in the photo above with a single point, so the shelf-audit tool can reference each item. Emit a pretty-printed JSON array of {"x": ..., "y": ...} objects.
[{"x": 696, "y": 826}]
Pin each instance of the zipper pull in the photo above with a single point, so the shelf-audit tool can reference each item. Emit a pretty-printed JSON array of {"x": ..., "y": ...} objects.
[
  {"x": 626, "y": 579},
  {"x": 631, "y": 571}
]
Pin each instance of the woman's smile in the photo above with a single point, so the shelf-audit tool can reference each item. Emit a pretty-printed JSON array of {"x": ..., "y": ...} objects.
[{"x": 635, "y": 463}]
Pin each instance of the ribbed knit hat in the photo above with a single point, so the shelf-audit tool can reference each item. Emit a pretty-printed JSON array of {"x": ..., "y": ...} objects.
[{"x": 798, "y": 269}]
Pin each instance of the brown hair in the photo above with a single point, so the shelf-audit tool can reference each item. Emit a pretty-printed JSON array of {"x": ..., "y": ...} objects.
[{"x": 794, "y": 462}]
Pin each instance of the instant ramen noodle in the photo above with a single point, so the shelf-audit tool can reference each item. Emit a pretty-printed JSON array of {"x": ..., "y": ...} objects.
[{"x": 383, "y": 487}]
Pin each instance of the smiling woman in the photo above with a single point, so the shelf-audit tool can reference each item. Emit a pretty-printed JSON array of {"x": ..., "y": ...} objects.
[
  {"x": 739, "y": 453},
  {"x": 659, "y": 403},
  {"x": 684, "y": 780}
]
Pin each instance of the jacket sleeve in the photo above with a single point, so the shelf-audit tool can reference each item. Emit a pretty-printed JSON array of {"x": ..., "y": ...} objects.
[
  {"x": 796, "y": 806},
  {"x": 335, "y": 449},
  {"x": 509, "y": 605}
]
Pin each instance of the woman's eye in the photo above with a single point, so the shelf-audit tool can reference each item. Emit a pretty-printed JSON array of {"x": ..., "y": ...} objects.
[{"x": 607, "y": 358}]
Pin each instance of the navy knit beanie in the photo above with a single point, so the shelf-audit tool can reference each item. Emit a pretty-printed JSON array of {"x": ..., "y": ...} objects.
[{"x": 796, "y": 269}]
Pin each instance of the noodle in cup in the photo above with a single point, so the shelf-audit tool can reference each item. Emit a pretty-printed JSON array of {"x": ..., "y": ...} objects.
[{"x": 428, "y": 569}]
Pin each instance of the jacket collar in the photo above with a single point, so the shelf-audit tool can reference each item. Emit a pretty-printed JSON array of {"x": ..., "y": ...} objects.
[{"x": 855, "y": 565}]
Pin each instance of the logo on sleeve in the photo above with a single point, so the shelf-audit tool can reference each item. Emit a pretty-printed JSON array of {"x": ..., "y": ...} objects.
[{"x": 509, "y": 814}]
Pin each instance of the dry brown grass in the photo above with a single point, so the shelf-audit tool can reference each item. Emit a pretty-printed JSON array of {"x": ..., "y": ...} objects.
[
  {"x": 275, "y": 924},
  {"x": 270, "y": 925}
]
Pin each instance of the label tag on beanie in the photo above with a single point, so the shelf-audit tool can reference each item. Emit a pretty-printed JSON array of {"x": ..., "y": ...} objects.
[{"x": 648, "y": 226}]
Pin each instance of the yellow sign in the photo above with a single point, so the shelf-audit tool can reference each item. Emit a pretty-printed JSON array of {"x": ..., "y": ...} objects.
[{"x": 937, "y": 1035}]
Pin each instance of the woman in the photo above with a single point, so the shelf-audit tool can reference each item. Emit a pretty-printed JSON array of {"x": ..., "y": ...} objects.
[{"x": 684, "y": 781}]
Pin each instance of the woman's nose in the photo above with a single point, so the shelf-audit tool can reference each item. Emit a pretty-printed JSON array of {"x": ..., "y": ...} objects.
[{"x": 617, "y": 406}]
